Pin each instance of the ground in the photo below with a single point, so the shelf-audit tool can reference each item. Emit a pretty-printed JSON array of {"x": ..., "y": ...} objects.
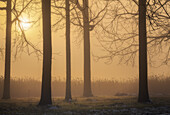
[{"x": 91, "y": 106}]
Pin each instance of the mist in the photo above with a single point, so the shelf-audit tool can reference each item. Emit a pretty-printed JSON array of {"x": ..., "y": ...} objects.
[{"x": 84, "y": 57}]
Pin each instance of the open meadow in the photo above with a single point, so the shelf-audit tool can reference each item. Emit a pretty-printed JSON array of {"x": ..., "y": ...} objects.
[
  {"x": 110, "y": 97},
  {"x": 92, "y": 106}
]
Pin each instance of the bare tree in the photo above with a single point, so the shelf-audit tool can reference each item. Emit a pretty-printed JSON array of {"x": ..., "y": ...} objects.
[
  {"x": 90, "y": 20},
  {"x": 85, "y": 17},
  {"x": 68, "y": 55},
  {"x": 6, "y": 91},
  {"x": 143, "y": 72},
  {"x": 123, "y": 36},
  {"x": 120, "y": 30},
  {"x": 47, "y": 54},
  {"x": 11, "y": 10},
  {"x": 87, "y": 61}
]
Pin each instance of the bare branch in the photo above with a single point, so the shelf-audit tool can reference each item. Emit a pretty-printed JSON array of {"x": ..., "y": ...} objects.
[{"x": 2, "y": 8}]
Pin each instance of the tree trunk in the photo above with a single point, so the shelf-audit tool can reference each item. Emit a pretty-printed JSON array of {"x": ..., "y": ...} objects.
[
  {"x": 6, "y": 92},
  {"x": 87, "y": 64},
  {"x": 68, "y": 56},
  {"x": 143, "y": 83},
  {"x": 47, "y": 54}
]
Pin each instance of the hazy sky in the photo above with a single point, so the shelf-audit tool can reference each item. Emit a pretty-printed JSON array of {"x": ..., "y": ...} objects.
[{"x": 29, "y": 66}]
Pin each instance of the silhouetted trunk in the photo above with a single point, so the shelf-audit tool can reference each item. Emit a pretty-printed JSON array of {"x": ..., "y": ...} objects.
[
  {"x": 6, "y": 92},
  {"x": 87, "y": 64},
  {"x": 143, "y": 83},
  {"x": 47, "y": 54},
  {"x": 68, "y": 56}
]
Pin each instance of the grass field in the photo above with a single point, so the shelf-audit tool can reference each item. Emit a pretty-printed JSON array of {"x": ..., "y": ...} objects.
[
  {"x": 113, "y": 97},
  {"x": 79, "y": 105},
  {"x": 23, "y": 88}
]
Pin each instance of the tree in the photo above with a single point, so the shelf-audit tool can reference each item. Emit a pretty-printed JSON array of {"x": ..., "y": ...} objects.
[
  {"x": 86, "y": 28},
  {"x": 86, "y": 21},
  {"x": 123, "y": 35},
  {"x": 9, "y": 22},
  {"x": 47, "y": 54},
  {"x": 89, "y": 22},
  {"x": 143, "y": 72},
  {"x": 87, "y": 61},
  {"x": 68, "y": 55},
  {"x": 6, "y": 91}
]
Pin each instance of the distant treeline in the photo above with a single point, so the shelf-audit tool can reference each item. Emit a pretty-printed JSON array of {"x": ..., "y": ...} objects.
[{"x": 158, "y": 86}]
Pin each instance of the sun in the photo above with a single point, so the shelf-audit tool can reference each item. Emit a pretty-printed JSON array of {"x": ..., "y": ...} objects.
[{"x": 25, "y": 23}]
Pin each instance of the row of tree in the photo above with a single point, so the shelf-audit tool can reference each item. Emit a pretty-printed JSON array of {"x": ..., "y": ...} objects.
[{"x": 85, "y": 10}]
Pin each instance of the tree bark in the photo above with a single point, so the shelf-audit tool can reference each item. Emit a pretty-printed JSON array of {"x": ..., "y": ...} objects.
[
  {"x": 87, "y": 64},
  {"x": 47, "y": 54},
  {"x": 143, "y": 74},
  {"x": 6, "y": 91},
  {"x": 68, "y": 54}
]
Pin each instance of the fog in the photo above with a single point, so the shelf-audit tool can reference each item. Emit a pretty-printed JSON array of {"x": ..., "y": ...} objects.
[
  {"x": 26, "y": 88},
  {"x": 26, "y": 67}
]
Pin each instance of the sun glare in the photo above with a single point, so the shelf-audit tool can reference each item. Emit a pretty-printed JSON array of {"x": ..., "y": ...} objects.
[{"x": 25, "y": 23}]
